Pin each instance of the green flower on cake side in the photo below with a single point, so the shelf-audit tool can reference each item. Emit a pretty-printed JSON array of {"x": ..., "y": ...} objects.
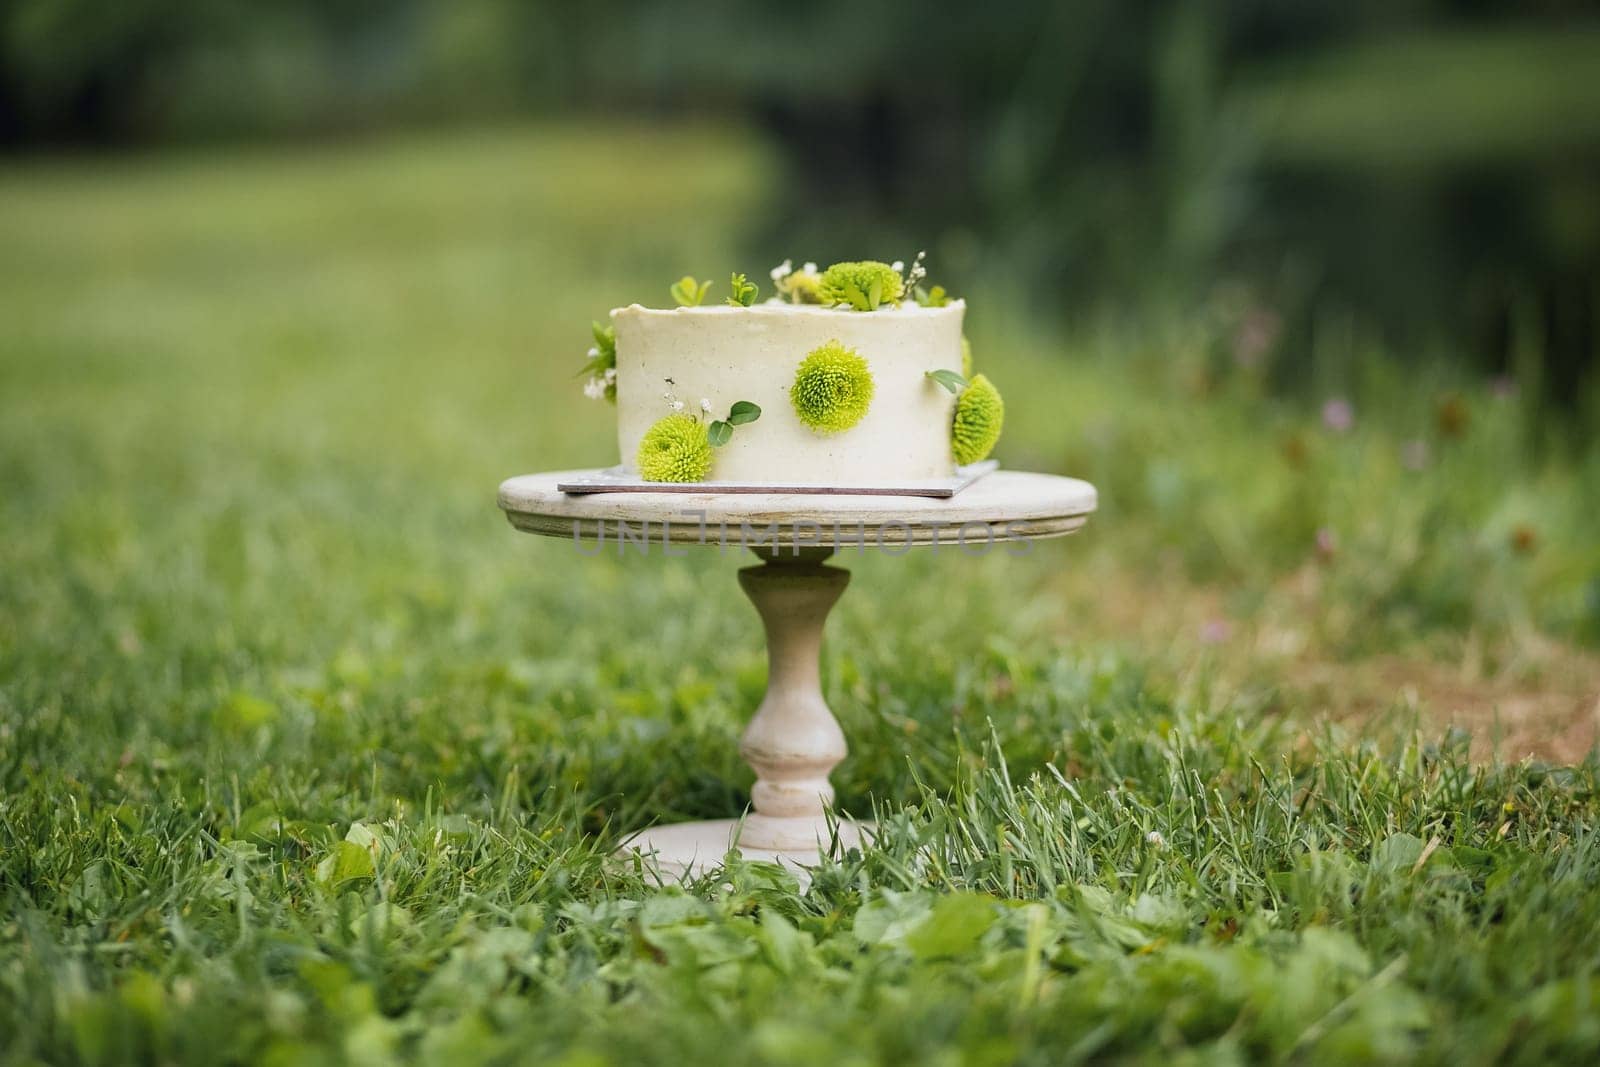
[
  {"x": 980, "y": 414},
  {"x": 832, "y": 388},
  {"x": 675, "y": 449},
  {"x": 865, "y": 286}
]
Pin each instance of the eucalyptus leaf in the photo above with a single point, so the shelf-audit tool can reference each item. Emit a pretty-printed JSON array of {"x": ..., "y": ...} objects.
[
  {"x": 949, "y": 379},
  {"x": 719, "y": 433},
  {"x": 743, "y": 412}
]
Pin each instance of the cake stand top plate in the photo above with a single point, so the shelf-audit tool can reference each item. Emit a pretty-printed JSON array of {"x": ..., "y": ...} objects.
[{"x": 1003, "y": 506}]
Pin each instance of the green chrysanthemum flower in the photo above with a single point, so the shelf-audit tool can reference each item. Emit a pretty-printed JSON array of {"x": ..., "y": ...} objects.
[
  {"x": 865, "y": 286},
  {"x": 832, "y": 388},
  {"x": 980, "y": 413},
  {"x": 804, "y": 287},
  {"x": 966, "y": 358},
  {"x": 675, "y": 449}
]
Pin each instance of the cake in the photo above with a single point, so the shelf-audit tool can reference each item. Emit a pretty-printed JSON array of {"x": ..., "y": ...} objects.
[{"x": 853, "y": 376}]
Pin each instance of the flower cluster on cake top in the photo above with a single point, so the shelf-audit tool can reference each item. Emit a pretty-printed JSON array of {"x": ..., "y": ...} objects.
[{"x": 858, "y": 285}]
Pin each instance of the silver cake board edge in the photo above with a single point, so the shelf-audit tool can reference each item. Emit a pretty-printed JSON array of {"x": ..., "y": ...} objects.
[{"x": 613, "y": 480}]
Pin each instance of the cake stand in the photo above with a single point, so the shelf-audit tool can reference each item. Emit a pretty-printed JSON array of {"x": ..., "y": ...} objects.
[{"x": 793, "y": 742}]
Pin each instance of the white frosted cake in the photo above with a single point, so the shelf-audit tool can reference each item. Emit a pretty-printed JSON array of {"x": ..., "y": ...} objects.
[
  {"x": 852, "y": 387},
  {"x": 725, "y": 354}
]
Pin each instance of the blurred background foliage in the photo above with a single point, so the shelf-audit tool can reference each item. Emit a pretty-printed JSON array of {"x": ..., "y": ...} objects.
[
  {"x": 1316, "y": 177},
  {"x": 1307, "y": 290}
]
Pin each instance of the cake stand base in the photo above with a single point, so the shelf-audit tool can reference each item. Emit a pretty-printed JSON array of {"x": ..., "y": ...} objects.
[
  {"x": 793, "y": 742},
  {"x": 688, "y": 849}
]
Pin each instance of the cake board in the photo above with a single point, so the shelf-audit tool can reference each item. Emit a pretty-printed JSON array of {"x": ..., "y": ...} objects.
[{"x": 625, "y": 480}]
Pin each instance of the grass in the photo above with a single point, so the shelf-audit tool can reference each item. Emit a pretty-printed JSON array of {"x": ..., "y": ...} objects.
[{"x": 306, "y": 756}]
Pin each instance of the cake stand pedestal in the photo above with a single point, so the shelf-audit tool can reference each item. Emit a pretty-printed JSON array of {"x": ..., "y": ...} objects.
[{"x": 793, "y": 741}]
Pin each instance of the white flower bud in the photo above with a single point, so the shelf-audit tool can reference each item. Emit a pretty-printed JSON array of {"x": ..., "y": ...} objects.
[{"x": 705, "y": 405}]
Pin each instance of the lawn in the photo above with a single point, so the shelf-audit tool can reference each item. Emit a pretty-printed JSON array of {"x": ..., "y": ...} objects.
[{"x": 307, "y": 756}]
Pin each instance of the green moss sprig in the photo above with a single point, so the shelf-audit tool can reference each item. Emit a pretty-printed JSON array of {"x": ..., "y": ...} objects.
[
  {"x": 865, "y": 285},
  {"x": 744, "y": 291},
  {"x": 688, "y": 292},
  {"x": 832, "y": 388}
]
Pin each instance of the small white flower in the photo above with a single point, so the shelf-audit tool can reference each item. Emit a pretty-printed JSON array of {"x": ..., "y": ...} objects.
[
  {"x": 705, "y": 405},
  {"x": 782, "y": 270},
  {"x": 593, "y": 352},
  {"x": 918, "y": 271},
  {"x": 1154, "y": 837},
  {"x": 898, "y": 266},
  {"x": 594, "y": 388},
  {"x": 611, "y": 376},
  {"x": 677, "y": 405},
  {"x": 808, "y": 268}
]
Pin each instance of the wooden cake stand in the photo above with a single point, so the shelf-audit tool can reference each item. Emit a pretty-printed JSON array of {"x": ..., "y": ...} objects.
[{"x": 793, "y": 742}]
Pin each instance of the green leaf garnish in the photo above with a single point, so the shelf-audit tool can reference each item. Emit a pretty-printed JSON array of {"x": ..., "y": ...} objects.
[
  {"x": 744, "y": 292},
  {"x": 602, "y": 358},
  {"x": 720, "y": 432},
  {"x": 604, "y": 354},
  {"x": 949, "y": 379},
  {"x": 742, "y": 412},
  {"x": 688, "y": 292}
]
